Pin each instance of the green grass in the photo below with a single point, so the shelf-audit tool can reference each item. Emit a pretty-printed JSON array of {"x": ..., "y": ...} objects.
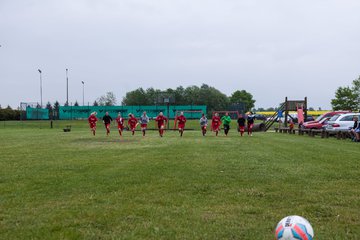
[{"x": 56, "y": 185}]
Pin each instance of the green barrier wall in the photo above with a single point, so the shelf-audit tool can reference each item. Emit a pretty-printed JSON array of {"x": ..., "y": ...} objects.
[
  {"x": 82, "y": 112},
  {"x": 37, "y": 113}
]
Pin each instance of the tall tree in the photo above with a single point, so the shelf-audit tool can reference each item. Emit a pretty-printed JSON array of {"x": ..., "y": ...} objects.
[
  {"x": 356, "y": 90},
  {"x": 108, "y": 99},
  {"x": 95, "y": 103},
  {"x": 56, "y": 109},
  {"x": 50, "y": 108},
  {"x": 345, "y": 99},
  {"x": 136, "y": 97},
  {"x": 243, "y": 97}
]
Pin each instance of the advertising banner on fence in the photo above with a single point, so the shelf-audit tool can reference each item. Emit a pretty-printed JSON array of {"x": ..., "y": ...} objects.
[{"x": 83, "y": 112}]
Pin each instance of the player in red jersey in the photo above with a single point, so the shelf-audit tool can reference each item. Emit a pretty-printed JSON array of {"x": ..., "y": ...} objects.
[
  {"x": 216, "y": 123},
  {"x": 120, "y": 122},
  {"x": 132, "y": 122},
  {"x": 161, "y": 121},
  {"x": 181, "y": 123},
  {"x": 92, "y": 122}
]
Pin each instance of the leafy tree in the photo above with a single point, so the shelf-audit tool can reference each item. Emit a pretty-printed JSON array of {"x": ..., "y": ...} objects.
[
  {"x": 95, "y": 103},
  {"x": 243, "y": 97},
  {"x": 76, "y": 104},
  {"x": 311, "y": 109},
  {"x": 136, "y": 97},
  {"x": 356, "y": 90},
  {"x": 108, "y": 99},
  {"x": 345, "y": 99},
  {"x": 56, "y": 109},
  {"x": 192, "y": 95},
  {"x": 50, "y": 108},
  {"x": 9, "y": 114}
]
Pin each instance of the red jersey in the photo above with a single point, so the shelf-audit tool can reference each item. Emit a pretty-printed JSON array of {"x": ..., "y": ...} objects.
[
  {"x": 181, "y": 120},
  {"x": 161, "y": 120},
  {"x": 120, "y": 121},
  {"x": 132, "y": 121},
  {"x": 92, "y": 121},
  {"x": 215, "y": 122}
]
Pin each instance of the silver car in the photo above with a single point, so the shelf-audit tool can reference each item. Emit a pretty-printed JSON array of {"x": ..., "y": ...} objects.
[{"x": 341, "y": 122}]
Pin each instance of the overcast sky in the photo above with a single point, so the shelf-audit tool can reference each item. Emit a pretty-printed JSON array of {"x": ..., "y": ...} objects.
[{"x": 270, "y": 48}]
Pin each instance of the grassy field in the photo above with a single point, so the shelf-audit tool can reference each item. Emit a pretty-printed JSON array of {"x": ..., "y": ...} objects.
[{"x": 56, "y": 185}]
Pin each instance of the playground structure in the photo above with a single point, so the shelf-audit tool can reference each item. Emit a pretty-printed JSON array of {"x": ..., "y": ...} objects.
[{"x": 299, "y": 106}]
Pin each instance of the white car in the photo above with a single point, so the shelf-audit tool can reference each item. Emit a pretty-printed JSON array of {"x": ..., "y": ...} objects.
[{"x": 341, "y": 122}]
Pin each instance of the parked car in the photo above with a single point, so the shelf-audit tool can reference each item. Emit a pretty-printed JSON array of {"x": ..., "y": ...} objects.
[
  {"x": 313, "y": 124},
  {"x": 316, "y": 125},
  {"x": 309, "y": 118},
  {"x": 260, "y": 117},
  {"x": 341, "y": 122}
]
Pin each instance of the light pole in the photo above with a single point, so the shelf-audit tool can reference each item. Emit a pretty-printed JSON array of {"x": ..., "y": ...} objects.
[
  {"x": 83, "y": 83},
  {"x": 40, "y": 88},
  {"x": 67, "y": 88}
]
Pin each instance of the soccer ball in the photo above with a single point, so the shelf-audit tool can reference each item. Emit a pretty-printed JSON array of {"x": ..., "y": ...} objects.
[{"x": 294, "y": 228}]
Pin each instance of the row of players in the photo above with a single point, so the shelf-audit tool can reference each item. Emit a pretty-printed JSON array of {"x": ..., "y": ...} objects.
[{"x": 161, "y": 120}]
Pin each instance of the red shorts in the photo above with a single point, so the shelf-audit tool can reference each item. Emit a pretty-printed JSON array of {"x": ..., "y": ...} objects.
[
  {"x": 203, "y": 127},
  {"x": 107, "y": 125},
  {"x": 92, "y": 125},
  {"x": 132, "y": 127},
  {"x": 241, "y": 128},
  {"x": 143, "y": 125},
  {"x": 120, "y": 127},
  {"x": 161, "y": 126},
  {"x": 250, "y": 126},
  {"x": 181, "y": 125},
  {"x": 216, "y": 128}
]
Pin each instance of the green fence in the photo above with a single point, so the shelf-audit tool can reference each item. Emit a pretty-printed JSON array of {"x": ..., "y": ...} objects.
[
  {"x": 82, "y": 112},
  {"x": 37, "y": 113}
]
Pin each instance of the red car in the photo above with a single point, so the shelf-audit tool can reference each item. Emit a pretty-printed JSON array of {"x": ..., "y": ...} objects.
[{"x": 319, "y": 122}]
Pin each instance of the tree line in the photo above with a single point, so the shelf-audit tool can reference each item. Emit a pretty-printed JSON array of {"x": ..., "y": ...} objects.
[
  {"x": 192, "y": 95},
  {"x": 9, "y": 114},
  {"x": 348, "y": 97}
]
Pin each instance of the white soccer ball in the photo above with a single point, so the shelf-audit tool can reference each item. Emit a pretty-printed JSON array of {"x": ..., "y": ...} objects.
[{"x": 294, "y": 228}]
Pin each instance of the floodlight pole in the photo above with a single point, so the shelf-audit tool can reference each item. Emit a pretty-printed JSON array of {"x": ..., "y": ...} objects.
[
  {"x": 67, "y": 88},
  {"x": 41, "y": 103},
  {"x": 83, "y": 83}
]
